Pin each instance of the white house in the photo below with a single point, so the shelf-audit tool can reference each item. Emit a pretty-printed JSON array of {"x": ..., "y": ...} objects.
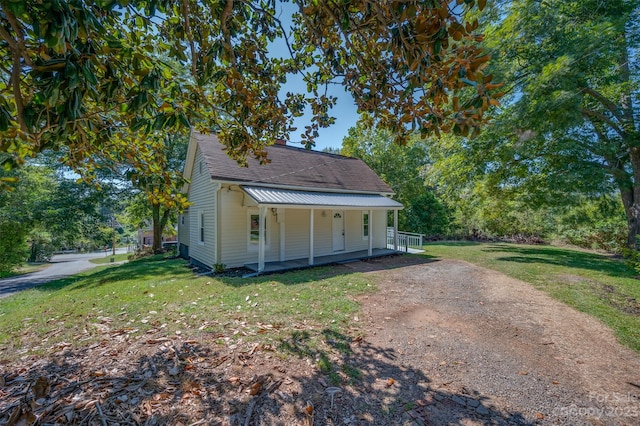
[{"x": 303, "y": 208}]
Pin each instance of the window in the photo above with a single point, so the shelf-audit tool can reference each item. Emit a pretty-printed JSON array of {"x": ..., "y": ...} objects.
[
  {"x": 365, "y": 225},
  {"x": 182, "y": 219},
  {"x": 200, "y": 167},
  {"x": 201, "y": 227},
  {"x": 254, "y": 230}
]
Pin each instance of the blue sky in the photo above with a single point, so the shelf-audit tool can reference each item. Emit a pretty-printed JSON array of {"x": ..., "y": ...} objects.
[{"x": 345, "y": 111}]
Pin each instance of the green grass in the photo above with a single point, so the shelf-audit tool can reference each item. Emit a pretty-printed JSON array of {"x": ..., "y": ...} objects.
[
  {"x": 107, "y": 259},
  {"x": 596, "y": 284},
  {"x": 163, "y": 296},
  {"x": 27, "y": 268}
]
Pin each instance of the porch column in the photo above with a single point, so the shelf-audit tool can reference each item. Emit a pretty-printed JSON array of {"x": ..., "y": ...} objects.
[
  {"x": 261, "y": 239},
  {"x": 395, "y": 230},
  {"x": 311, "y": 237},
  {"x": 369, "y": 232},
  {"x": 281, "y": 218}
]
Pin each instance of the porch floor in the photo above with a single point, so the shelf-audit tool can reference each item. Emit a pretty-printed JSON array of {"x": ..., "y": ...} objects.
[{"x": 320, "y": 260}]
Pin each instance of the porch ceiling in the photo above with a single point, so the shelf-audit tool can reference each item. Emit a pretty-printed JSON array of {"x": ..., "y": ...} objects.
[{"x": 293, "y": 198}]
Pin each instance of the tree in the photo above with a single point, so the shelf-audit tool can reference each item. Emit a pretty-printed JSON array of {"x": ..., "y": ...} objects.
[
  {"x": 82, "y": 75},
  {"x": 48, "y": 211},
  {"x": 570, "y": 122},
  {"x": 403, "y": 168},
  {"x": 159, "y": 179}
]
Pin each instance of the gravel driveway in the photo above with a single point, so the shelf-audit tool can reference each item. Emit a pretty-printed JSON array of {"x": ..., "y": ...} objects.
[{"x": 477, "y": 347}]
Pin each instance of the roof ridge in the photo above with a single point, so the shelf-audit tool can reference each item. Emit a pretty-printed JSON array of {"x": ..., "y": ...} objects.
[{"x": 301, "y": 148}]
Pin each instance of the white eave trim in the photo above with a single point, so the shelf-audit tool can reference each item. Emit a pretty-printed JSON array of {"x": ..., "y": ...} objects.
[
  {"x": 243, "y": 184},
  {"x": 277, "y": 197}
]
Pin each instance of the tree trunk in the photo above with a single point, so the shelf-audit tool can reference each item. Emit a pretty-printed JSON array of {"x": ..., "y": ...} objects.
[
  {"x": 157, "y": 230},
  {"x": 159, "y": 223},
  {"x": 631, "y": 201}
]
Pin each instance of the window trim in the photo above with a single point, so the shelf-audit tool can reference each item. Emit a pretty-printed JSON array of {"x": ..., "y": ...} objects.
[
  {"x": 365, "y": 236},
  {"x": 201, "y": 227},
  {"x": 253, "y": 246}
]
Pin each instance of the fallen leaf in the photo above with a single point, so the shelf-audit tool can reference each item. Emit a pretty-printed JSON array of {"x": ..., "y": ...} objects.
[
  {"x": 539, "y": 416},
  {"x": 255, "y": 388},
  {"x": 41, "y": 388},
  {"x": 22, "y": 416},
  {"x": 555, "y": 382},
  {"x": 158, "y": 340},
  {"x": 390, "y": 382},
  {"x": 309, "y": 409},
  {"x": 523, "y": 373}
]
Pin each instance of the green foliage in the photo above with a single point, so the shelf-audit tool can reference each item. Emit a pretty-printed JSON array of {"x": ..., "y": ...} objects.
[
  {"x": 219, "y": 268},
  {"x": 94, "y": 78},
  {"x": 569, "y": 125},
  {"x": 48, "y": 211},
  {"x": 403, "y": 169},
  {"x": 597, "y": 224},
  {"x": 13, "y": 245}
]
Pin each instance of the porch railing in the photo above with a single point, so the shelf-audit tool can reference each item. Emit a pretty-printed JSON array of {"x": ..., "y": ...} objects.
[{"x": 406, "y": 240}]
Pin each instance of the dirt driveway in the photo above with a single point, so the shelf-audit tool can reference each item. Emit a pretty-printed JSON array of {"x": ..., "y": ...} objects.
[{"x": 491, "y": 349}]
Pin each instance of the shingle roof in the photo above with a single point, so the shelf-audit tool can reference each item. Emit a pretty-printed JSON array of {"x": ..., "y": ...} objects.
[{"x": 291, "y": 166}]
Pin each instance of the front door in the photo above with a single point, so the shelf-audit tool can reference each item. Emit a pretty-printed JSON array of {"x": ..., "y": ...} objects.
[{"x": 338, "y": 230}]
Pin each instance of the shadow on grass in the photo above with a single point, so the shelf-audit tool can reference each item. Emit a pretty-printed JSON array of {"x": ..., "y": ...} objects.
[
  {"x": 168, "y": 382},
  {"x": 561, "y": 257},
  {"x": 305, "y": 275},
  {"x": 163, "y": 268},
  {"x": 138, "y": 269}
]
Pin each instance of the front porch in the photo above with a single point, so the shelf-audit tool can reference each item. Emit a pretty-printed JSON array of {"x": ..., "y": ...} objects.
[{"x": 319, "y": 260}]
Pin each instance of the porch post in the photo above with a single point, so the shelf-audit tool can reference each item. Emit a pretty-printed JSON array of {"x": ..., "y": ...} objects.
[
  {"x": 261, "y": 239},
  {"x": 311, "y": 237},
  {"x": 395, "y": 230},
  {"x": 369, "y": 232},
  {"x": 281, "y": 218}
]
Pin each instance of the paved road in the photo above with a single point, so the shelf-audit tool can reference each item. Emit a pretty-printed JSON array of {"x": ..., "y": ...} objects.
[{"x": 62, "y": 266}]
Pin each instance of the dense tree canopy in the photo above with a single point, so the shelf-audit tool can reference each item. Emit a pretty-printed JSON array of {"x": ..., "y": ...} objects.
[
  {"x": 81, "y": 75},
  {"x": 404, "y": 169},
  {"x": 47, "y": 211},
  {"x": 569, "y": 123}
]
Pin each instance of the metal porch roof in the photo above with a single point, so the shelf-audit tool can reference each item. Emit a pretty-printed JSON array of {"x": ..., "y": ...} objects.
[{"x": 276, "y": 196}]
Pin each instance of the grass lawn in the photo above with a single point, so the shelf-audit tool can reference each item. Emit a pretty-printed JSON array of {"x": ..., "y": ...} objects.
[
  {"x": 27, "y": 268},
  {"x": 153, "y": 294},
  {"x": 107, "y": 259},
  {"x": 596, "y": 284}
]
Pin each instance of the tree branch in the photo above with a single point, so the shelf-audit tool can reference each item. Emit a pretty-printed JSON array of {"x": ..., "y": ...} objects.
[
  {"x": 610, "y": 106},
  {"x": 228, "y": 9},
  {"x": 187, "y": 31},
  {"x": 17, "y": 28},
  {"x": 603, "y": 118}
]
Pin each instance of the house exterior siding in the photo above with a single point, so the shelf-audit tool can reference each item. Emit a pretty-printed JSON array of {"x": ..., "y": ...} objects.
[
  {"x": 379, "y": 229},
  {"x": 235, "y": 209},
  {"x": 183, "y": 234},
  {"x": 202, "y": 195},
  {"x": 221, "y": 227},
  {"x": 296, "y": 233}
]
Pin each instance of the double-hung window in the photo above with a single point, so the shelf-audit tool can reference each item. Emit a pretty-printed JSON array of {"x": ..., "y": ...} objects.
[{"x": 365, "y": 225}]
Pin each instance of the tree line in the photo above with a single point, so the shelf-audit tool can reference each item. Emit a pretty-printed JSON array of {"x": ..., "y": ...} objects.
[{"x": 560, "y": 158}]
